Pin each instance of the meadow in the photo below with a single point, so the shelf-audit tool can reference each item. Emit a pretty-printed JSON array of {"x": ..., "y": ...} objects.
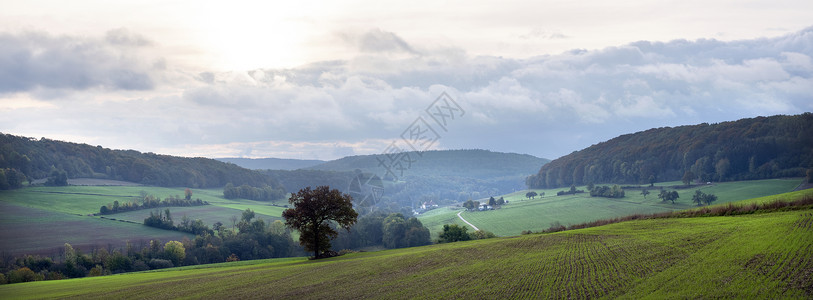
[
  {"x": 762, "y": 254},
  {"x": 40, "y": 219},
  {"x": 537, "y": 214},
  {"x": 37, "y": 231}
]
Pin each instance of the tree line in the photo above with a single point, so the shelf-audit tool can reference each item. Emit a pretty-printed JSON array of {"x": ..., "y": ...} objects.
[
  {"x": 150, "y": 201},
  {"x": 747, "y": 149},
  {"x": 245, "y": 191},
  {"x": 606, "y": 191},
  {"x": 37, "y": 158},
  {"x": 250, "y": 238},
  {"x": 11, "y": 179}
]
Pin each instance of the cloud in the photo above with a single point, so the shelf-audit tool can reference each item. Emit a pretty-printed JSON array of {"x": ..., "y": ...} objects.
[
  {"x": 32, "y": 61},
  {"x": 377, "y": 41},
  {"x": 538, "y": 33},
  {"x": 546, "y": 105},
  {"x": 124, "y": 37}
]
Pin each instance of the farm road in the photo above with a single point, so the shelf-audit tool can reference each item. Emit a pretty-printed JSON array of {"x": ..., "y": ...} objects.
[{"x": 467, "y": 222}]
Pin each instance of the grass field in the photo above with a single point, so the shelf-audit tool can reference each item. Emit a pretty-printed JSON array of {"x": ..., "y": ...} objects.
[
  {"x": 209, "y": 214},
  {"x": 37, "y": 231},
  {"x": 65, "y": 211},
  {"x": 764, "y": 255},
  {"x": 524, "y": 214},
  {"x": 40, "y": 220},
  {"x": 436, "y": 218}
]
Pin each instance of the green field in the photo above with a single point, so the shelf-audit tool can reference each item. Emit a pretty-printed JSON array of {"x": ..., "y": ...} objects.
[
  {"x": 42, "y": 219},
  {"x": 48, "y": 217},
  {"x": 764, "y": 255},
  {"x": 36, "y": 231},
  {"x": 436, "y": 218},
  {"x": 524, "y": 214}
]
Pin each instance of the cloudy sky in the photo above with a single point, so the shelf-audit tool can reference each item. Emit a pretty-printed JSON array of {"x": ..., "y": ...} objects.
[{"x": 321, "y": 80}]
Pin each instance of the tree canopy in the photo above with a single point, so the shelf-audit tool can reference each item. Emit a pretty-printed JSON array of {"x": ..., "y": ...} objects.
[
  {"x": 755, "y": 148},
  {"x": 454, "y": 233},
  {"x": 312, "y": 214},
  {"x": 58, "y": 160}
]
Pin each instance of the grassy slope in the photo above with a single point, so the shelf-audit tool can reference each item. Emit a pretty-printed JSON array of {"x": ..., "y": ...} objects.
[
  {"x": 36, "y": 231},
  {"x": 765, "y": 255},
  {"x": 42, "y": 219},
  {"x": 436, "y": 218},
  {"x": 538, "y": 214}
]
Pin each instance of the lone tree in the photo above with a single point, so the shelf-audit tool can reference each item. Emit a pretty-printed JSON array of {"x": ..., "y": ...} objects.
[
  {"x": 668, "y": 196},
  {"x": 700, "y": 198},
  {"x": 645, "y": 192},
  {"x": 687, "y": 178},
  {"x": 531, "y": 194},
  {"x": 453, "y": 233},
  {"x": 312, "y": 214}
]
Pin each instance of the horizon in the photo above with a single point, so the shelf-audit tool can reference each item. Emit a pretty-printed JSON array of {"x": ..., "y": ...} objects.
[
  {"x": 410, "y": 151},
  {"x": 539, "y": 78}
]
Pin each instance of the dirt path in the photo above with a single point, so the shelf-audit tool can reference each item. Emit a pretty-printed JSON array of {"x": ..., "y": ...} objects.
[{"x": 467, "y": 222}]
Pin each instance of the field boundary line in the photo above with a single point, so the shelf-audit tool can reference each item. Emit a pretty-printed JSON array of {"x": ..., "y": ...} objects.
[
  {"x": 84, "y": 194},
  {"x": 467, "y": 222}
]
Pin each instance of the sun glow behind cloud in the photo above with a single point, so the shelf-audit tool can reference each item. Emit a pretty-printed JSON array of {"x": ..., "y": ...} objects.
[
  {"x": 245, "y": 36},
  {"x": 307, "y": 79}
]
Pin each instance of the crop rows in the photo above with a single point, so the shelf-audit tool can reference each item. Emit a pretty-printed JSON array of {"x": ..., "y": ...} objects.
[{"x": 766, "y": 255}]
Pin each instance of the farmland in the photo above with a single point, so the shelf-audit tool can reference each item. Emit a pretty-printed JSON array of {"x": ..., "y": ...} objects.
[
  {"x": 45, "y": 218},
  {"x": 37, "y": 231},
  {"x": 42, "y": 219},
  {"x": 525, "y": 214},
  {"x": 765, "y": 254}
]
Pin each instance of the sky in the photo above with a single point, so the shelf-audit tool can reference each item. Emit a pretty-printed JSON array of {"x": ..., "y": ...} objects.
[{"x": 323, "y": 80}]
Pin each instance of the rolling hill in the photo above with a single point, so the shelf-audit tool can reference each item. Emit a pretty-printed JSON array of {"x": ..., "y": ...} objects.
[
  {"x": 37, "y": 159},
  {"x": 755, "y": 148},
  {"x": 537, "y": 214},
  {"x": 745, "y": 256},
  {"x": 480, "y": 164},
  {"x": 445, "y": 177}
]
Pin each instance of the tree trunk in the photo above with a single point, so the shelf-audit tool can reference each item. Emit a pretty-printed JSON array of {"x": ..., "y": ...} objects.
[{"x": 316, "y": 252}]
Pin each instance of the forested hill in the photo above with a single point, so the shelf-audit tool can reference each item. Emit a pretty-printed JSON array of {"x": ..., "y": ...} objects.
[
  {"x": 37, "y": 159},
  {"x": 271, "y": 163},
  {"x": 755, "y": 148},
  {"x": 482, "y": 164}
]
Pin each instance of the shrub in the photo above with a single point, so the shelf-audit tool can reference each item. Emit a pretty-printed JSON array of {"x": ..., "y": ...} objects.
[
  {"x": 96, "y": 271},
  {"x": 23, "y": 275},
  {"x": 556, "y": 226},
  {"x": 346, "y": 251},
  {"x": 140, "y": 265},
  {"x": 157, "y": 263},
  {"x": 54, "y": 276},
  {"x": 482, "y": 234}
]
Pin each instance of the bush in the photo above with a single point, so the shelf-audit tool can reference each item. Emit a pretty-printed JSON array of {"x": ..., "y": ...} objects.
[
  {"x": 482, "y": 234},
  {"x": 608, "y": 192},
  {"x": 2, "y": 278},
  {"x": 454, "y": 233},
  {"x": 23, "y": 275},
  {"x": 54, "y": 276},
  {"x": 140, "y": 265},
  {"x": 346, "y": 251},
  {"x": 97, "y": 271},
  {"x": 556, "y": 227},
  {"x": 157, "y": 263}
]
